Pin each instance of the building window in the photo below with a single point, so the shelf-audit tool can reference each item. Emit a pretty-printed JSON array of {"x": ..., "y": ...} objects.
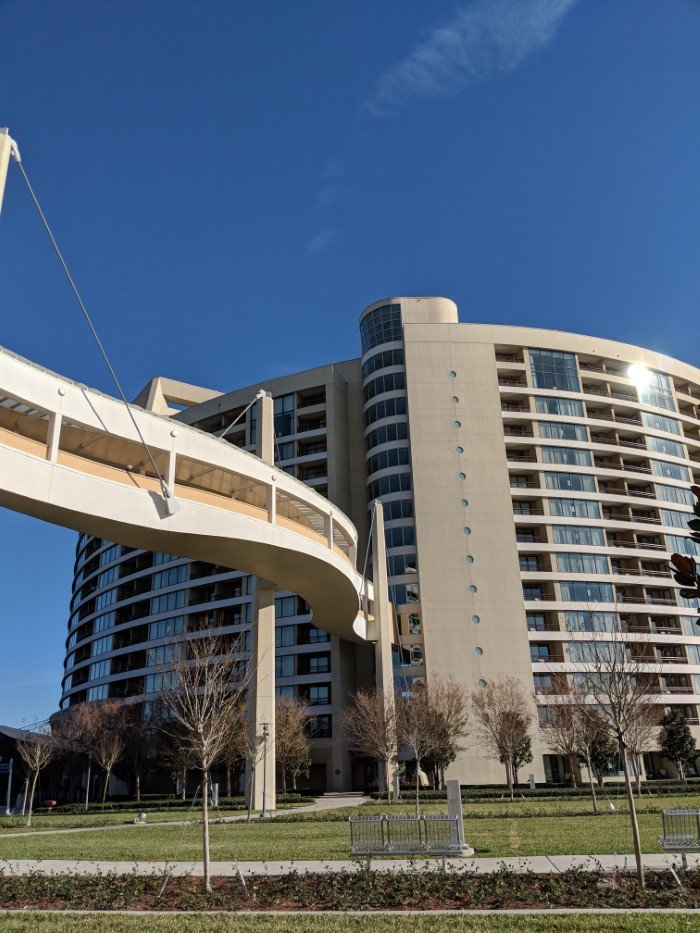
[
  {"x": 288, "y": 691},
  {"x": 285, "y": 636},
  {"x": 675, "y": 494},
  {"x": 284, "y": 451},
  {"x": 539, "y": 653},
  {"x": 578, "y": 534},
  {"x": 169, "y": 577},
  {"x": 381, "y": 361},
  {"x": 667, "y": 470},
  {"x": 383, "y": 325},
  {"x": 582, "y": 563},
  {"x": 100, "y": 645},
  {"x": 319, "y": 694},
  {"x": 284, "y": 415},
  {"x": 551, "y": 405},
  {"x": 574, "y": 508},
  {"x": 284, "y": 665},
  {"x": 320, "y": 727},
  {"x": 657, "y": 392},
  {"x": 582, "y": 591},
  {"x": 536, "y": 622},
  {"x": 567, "y": 456},
  {"x": 562, "y": 431},
  {"x": 572, "y": 482},
  {"x": 100, "y": 669},
  {"x": 662, "y": 445},
  {"x": 167, "y": 602},
  {"x": 98, "y": 693},
  {"x": 166, "y": 628},
  {"x": 552, "y": 369},
  {"x": 389, "y": 382}
]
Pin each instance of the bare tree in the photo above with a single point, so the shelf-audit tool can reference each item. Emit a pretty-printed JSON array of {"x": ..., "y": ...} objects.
[
  {"x": 415, "y": 726},
  {"x": 203, "y": 686},
  {"x": 503, "y": 720},
  {"x": 562, "y": 730},
  {"x": 236, "y": 750},
  {"x": 618, "y": 678},
  {"x": 370, "y": 728},
  {"x": 292, "y": 719},
  {"x": 642, "y": 737},
  {"x": 37, "y": 751},
  {"x": 77, "y": 729},
  {"x": 449, "y": 706},
  {"x": 110, "y": 736},
  {"x": 141, "y": 730}
]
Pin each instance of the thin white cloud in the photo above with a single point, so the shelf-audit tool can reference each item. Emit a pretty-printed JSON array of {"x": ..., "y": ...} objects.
[
  {"x": 334, "y": 169},
  {"x": 321, "y": 241},
  {"x": 482, "y": 39}
]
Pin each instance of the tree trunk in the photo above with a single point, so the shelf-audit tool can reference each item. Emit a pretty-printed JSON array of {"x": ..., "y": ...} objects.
[
  {"x": 106, "y": 786},
  {"x": 138, "y": 787},
  {"x": 637, "y": 775},
  {"x": 205, "y": 830},
  {"x": 284, "y": 780},
  {"x": 35, "y": 775},
  {"x": 417, "y": 786},
  {"x": 184, "y": 784},
  {"x": 633, "y": 812},
  {"x": 590, "y": 781},
  {"x": 24, "y": 796},
  {"x": 87, "y": 783},
  {"x": 228, "y": 780},
  {"x": 509, "y": 779},
  {"x": 572, "y": 765}
]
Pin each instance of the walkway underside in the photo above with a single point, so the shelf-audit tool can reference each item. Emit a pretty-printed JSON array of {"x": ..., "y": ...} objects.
[{"x": 69, "y": 455}]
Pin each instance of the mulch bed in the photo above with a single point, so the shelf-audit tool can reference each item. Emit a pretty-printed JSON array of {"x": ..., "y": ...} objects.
[{"x": 347, "y": 891}]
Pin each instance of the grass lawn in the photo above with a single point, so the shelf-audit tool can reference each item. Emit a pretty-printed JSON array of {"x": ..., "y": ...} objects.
[
  {"x": 533, "y": 923},
  {"x": 495, "y": 837},
  {"x": 14, "y": 824}
]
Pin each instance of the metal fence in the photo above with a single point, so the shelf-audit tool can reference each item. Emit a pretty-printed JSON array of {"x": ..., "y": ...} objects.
[
  {"x": 435, "y": 834},
  {"x": 681, "y": 830}
]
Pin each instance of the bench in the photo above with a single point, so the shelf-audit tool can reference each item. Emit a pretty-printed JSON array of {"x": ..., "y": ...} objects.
[
  {"x": 680, "y": 832},
  {"x": 431, "y": 835}
]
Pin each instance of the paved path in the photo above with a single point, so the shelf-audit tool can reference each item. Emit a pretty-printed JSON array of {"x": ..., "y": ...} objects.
[
  {"x": 540, "y": 864},
  {"x": 327, "y": 802}
]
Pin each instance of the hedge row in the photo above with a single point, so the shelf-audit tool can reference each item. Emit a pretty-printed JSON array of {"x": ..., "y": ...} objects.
[{"x": 487, "y": 792}]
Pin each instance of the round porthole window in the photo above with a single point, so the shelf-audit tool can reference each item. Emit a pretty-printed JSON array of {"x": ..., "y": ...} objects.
[
  {"x": 476, "y": 620},
  {"x": 455, "y": 399},
  {"x": 481, "y": 684},
  {"x": 453, "y": 374},
  {"x": 464, "y": 503},
  {"x": 459, "y": 450},
  {"x": 461, "y": 476},
  {"x": 472, "y": 588},
  {"x": 478, "y": 651},
  {"x": 456, "y": 424},
  {"x": 470, "y": 559},
  {"x": 466, "y": 531}
]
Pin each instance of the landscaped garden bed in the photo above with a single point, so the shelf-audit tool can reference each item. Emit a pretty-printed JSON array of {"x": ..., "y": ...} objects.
[{"x": 406, "y": 890}]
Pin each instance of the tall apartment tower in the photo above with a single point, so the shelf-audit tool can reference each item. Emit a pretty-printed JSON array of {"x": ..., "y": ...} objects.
[{"x": 533, "y": 482}]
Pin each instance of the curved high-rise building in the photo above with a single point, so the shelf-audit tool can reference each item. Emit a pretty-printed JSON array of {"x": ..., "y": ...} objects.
[{"x": 534, "y": 484}]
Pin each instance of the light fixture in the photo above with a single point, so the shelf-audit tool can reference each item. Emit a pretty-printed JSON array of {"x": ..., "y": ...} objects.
[{"x": 639, "y": 375}]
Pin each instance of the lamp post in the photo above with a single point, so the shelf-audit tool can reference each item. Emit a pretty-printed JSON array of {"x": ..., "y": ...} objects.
[{"x": 266, "y": 734}]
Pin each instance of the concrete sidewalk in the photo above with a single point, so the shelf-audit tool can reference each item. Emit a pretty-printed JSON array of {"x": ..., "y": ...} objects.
[
  {"x": 539, "y": 864},
  {"x": 327, "y": 802}
]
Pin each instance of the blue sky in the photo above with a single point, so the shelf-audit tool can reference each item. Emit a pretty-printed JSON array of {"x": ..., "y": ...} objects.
[{"x": 233, "y": 182}]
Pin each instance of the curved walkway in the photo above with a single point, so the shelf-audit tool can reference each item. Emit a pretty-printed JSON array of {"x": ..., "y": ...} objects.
[{"x": 320, "y": 805}]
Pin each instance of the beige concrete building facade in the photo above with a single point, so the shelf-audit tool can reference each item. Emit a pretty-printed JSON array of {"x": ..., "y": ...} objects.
[{"x": 533, "y": 483}]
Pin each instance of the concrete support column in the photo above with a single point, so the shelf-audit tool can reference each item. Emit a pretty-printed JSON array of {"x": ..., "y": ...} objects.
[
  {"x": 382, "y": 629},
  {"x": 54, "y": 436},
  {"x": 261, "y": 690},
  {"x": 261, "y": 702},
  {"x": 170, "y": 471},
  {"x": 328, "y": 529}
]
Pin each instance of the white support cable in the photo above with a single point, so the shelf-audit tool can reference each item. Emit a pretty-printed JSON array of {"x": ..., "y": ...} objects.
[
  {"x": 171, "y": 502},
  {"x": 222, "y": 434}
]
